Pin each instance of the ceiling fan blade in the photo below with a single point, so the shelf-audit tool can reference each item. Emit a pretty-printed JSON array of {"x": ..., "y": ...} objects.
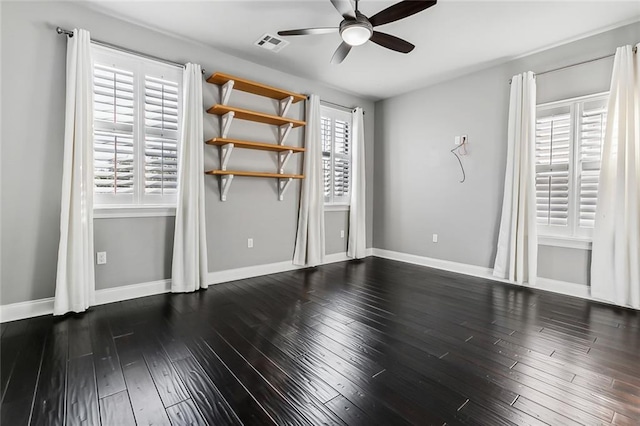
[
  {"x": 345, "y": 8},
  {"x": 400, "y": 10},
  {"x": 391, "y": 42},
  {"x": 341, "y": 52},
  {"x": 308, "y": 31}
]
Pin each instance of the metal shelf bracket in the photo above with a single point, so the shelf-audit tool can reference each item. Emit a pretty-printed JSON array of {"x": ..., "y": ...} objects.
[
  {"x": 283, "y": 157},
  {"x": 225, "y": 153},
  {"x": 283, "y": 132},
  {"x": 226, "y": 90},
  {"x": 225, "y": 123},
  {"x": 284, "y": 105},
  {"x": 283, "y": 184},
  {"x": 225, "y": 184}
]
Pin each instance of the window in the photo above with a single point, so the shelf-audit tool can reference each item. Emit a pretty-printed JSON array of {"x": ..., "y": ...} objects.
[
  {"x": 569, "y": 137},
  {"x": 335, "y": 127},
  {"x": 136, "y": 127}
]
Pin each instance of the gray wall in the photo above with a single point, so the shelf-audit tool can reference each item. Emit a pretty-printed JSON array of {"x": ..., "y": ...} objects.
[
  {"x": 334, "y": 223},
  {"x": 138, "y": 249},
  {"x": 417, "y": 189}
]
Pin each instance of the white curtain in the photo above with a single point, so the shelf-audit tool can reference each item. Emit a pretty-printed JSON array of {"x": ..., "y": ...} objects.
[
  {"x": 356, "y": 246},
  {"x": 189, "y": 269},
  {"x": 615, "y": 264},
  {"x": 309, "y": 250},
  {"x": 75, "y": 278},
  {"x": 517, "y": 254}
]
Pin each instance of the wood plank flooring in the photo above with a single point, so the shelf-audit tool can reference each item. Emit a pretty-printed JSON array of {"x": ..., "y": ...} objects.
[{"x": 357, "y": 343}]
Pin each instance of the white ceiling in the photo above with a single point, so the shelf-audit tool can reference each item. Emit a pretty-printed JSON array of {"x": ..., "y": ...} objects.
[{"x": 451, "y": 38}]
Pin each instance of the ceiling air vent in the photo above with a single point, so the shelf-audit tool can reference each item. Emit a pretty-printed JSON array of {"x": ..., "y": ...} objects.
[{"x": 271, "y": 43}]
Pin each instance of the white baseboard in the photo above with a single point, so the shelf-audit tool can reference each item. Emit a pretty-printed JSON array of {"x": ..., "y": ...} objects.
[
  {"x": 564, "y": 287},
  {"x": 547, "y": 284},
  {"x": 447, "y": 265},
  {"x": 28, "y": 309},
  {"x": 342, "y": 257},
  {"x": 34, "y": 308},
  {"x": 132, "y": 291},
  {"x": 270, "y": 268},
  {"x": 227, "y": 275}
]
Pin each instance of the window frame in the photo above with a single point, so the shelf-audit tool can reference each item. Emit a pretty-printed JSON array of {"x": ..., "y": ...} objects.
[
  {"x": 573, "y": 236},
  {"x": 139, "y": 203},
  {"x": 333, "y": 202}
]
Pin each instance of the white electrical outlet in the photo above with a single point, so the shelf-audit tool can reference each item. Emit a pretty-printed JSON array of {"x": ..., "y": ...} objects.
[
  {"x": 342, "y": 233},
  {"x": 435, "y": 238},
  {"x": 250, "y": 243},
  {"x": 101, "y": 257},
  {"x": 456, "y": 140}
]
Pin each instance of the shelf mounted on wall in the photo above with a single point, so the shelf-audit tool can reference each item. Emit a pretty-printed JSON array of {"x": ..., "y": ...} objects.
[
  {"x": 233, "y": 82},
  {"x": 227, "y": 145},
  {"x": 226, "y": 177},
  {"x": 228, "y": 113}
]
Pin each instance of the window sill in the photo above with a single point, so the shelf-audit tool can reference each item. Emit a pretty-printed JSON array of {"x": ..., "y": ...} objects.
[
  {"x": 566, "y": 242},
  {"x": 119, "y": 211},
  {"x": 336, "y": 207}
]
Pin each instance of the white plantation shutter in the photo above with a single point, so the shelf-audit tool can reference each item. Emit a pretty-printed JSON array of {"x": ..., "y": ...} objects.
[
  {"x": 161, "y": 136},
  {"x": 342, "y": 137},
  {"x": 327, "y": 142},
  {"x": 341, "y": 161},
  {"x": 593, "y": 118},
  {"x": 113, "y": 95},
  {"x": 569, "y": 137},
  {"x": 552, "y": 168},
  {"x": 341, "y": 179},
  {"x": 113, "y": 162},
  {"x": 336, "y": 154},
  {"x": 136, "y": 127},
  {"x": 113, "y": 131}
]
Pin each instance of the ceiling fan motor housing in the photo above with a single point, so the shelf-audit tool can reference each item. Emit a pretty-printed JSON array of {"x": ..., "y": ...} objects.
[{"x": 356, "y": 31}]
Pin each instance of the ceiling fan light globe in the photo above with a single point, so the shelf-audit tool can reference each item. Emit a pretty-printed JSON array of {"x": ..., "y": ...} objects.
[
  {"x": 356, "y": 35},
  {"x": 356, "y": 32}
]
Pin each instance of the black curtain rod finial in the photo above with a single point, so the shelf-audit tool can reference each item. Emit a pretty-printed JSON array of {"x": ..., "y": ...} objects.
[{"x": 65, "y": 32}]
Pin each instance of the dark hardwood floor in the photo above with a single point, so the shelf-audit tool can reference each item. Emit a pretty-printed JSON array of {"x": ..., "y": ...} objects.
[{"x": 358, "y": 343}]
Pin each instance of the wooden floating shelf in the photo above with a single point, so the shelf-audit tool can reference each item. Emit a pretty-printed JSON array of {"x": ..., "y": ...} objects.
[
  {"x": 253, "y": 174},
  {"x": 227, "y": 115},
  {"x": 255, "y": 87},
  {"x": 237, "y": 143},
  {"x": 260, "y": 117}
]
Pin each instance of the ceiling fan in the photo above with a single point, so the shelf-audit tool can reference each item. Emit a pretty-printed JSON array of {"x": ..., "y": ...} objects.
[{"x": 356, "y": 29}]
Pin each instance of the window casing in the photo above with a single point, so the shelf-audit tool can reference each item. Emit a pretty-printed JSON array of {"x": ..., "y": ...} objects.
[
  {"x": 336, "y": 129},
  {"x": 136, "y": 129},
  {"x": 569, "y": 138}
]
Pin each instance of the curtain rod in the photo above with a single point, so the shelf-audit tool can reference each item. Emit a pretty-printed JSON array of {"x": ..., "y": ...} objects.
[
  {"x": 346, "y": 108},
  {"x": 635, "y": 50},
  {"x": 125, "y": 50}
]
